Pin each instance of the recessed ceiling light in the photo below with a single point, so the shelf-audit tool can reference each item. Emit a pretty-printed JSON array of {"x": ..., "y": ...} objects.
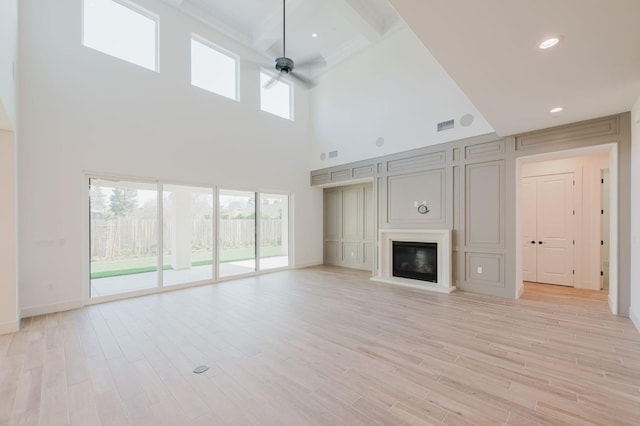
[
  {"x": 550, "y": 42},
  {"x": 314, "y": 35},
  {"x": 556, "y": 109}
]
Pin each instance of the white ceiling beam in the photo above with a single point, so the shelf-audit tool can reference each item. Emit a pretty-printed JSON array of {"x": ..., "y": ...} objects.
[
  {"x": 361, "y": 17},
  {"x": 269, "y": 30},
  {"x": 199, "y": 14},
  {"x": 177, "y": 3}
]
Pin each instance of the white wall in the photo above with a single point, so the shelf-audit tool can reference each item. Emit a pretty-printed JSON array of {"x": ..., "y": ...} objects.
[
  {"x": 394, "y": 90},
  {"x": 8, "y": 45},
  {"x": 81, "y": 110},
  {"x": 634, "y": 310},
  {"x": 586, "y": 171},
  {"x": 8, "y": 267}
]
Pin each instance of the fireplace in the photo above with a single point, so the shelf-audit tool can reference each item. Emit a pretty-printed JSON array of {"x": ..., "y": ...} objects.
[
  {"x": 418, "y": 258},
  {"x": 415, "y": 260}
]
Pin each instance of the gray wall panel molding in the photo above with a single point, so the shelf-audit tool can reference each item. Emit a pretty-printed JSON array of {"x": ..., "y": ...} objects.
[
  {"x": 456, "y": 154},
  {"x": 363, "y": 171},
  {"x": 435, "y": 155},
  {"x": 593, "y": 129},
  {"x": 483, "y": 150},
  {"x": 332, "y": 252},
  {"x": 405, "y": 190},
  {"x": 349, "y": 219},
  {"x": 510, "y": 219},
  {"x": 457, "y": 242},
  {"x": 419, "y": 162},
  {"x": 484, "y": 204},
  {"x": 340, "y": 175},
  {"x": 485, "y": 269},
  {"x": 477, "y": 193},
  {"x": 320, "y": 179}
]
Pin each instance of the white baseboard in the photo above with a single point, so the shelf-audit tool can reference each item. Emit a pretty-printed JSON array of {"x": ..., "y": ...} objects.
[
  {"x": 308, "y": 265},
  {"x": 612, "y": 305},
  {"x": 49, "y": 309},
  {"x": 635, "y": 318},
  {"x": 9, "y": 327},
  {"x": 520, "y": 291}
]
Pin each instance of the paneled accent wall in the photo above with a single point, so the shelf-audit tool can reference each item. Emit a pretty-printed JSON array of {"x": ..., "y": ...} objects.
[
  {"x": 484, "y": 202},
  {"x": 469, "y": 187},
  {"x": 463, "y": 185},
  {"x": 349, "y": 229}
]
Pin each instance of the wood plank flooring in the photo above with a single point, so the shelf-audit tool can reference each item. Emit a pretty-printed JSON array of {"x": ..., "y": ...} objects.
[{"x": 325, "y": 346}]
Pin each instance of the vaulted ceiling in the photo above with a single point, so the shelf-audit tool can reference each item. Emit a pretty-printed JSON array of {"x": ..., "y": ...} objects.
[
  {"x": 489, "y": 47},
  {"x": 342, "y": 27}
]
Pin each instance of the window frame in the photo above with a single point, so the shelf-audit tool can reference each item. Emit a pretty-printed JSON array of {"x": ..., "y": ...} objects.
[
  {"x": 221, "y": 50},
  {"x": 283, "y": 80},
  {"x": 134, "y": 7},
  {"x": 160, "y": 183}
]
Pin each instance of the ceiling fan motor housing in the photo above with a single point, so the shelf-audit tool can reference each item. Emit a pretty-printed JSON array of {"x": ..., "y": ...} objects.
[{"x": 284, "y": 64}]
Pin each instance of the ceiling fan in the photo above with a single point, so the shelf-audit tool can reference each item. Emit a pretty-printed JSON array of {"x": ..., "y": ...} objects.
[{"x": 285, "y": 65}]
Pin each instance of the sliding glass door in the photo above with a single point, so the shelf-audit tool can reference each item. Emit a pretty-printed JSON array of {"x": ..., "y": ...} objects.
[
  {"x": 187, "y": 234},
  {"x": 274, "y": 231},
  {"x": 123, "y": 236},
  {"x": 148, "y": 235},
  {"x": 237, "y": 233}
]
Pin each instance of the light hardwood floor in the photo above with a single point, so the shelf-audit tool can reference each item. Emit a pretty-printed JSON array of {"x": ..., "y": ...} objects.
[{"x": 325, "y": 346}]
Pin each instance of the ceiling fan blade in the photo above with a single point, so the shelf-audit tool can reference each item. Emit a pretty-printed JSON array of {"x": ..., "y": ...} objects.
[
  {"x": 318, "y": 61},
  {"x": 269, "y": 84},
  {"x": 307, "y": 82}
]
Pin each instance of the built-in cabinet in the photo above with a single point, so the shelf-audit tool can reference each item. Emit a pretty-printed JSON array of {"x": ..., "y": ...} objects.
[{"x": 349, "y": 226}]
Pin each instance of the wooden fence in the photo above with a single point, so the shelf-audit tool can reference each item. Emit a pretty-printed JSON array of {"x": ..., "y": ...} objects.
[{"x": 122, "y": 238}]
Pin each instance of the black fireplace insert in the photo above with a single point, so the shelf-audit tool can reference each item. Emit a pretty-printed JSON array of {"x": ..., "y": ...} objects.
[{"x": 415, "y": 260}]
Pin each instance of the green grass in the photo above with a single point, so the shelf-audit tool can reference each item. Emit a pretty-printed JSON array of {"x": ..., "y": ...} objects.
[{"x": 114, "y": 268}]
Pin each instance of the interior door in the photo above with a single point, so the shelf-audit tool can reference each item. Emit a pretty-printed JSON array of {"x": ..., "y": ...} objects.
[
  {"x": 555, "y": 213},
  {"x": 529, "y": 236}
]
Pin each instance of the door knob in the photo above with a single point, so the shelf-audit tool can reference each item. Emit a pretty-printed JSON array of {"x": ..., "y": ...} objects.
[
  {"x": 539, "y": 242},
  {"x": 533, "y": 242}
]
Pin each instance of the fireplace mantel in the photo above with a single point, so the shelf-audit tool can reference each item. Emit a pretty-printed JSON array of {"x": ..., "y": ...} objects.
[{"x": 440, "y": 236}]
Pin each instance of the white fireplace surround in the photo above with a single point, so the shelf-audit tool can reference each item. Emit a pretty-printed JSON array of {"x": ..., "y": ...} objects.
[{"x": 385, "y": 264}]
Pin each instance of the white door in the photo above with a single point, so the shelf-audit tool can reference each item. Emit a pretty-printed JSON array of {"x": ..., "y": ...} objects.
[
  {"x": 547, "y": 229},
  {"x": 555, "y": 229},
  {"x": 529, "y": 238}
]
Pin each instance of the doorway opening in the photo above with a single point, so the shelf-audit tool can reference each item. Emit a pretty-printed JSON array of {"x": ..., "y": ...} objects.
[
  {"x": 566, "y": 226},
  {"x": 549, "y": 230}
]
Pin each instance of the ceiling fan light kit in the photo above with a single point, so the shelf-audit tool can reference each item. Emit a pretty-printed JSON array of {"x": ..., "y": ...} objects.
[{"x": 285, "y": 65}]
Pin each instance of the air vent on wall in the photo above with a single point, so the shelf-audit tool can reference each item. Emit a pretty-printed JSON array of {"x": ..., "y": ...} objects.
[
  {"x": 333, "y": 154},
  {"x": 445, "y": 125}
]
